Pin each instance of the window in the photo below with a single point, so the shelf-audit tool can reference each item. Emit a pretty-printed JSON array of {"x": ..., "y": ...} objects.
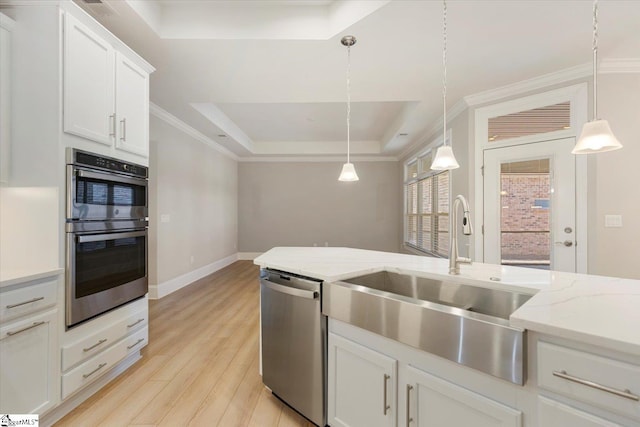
[{"x": 427, "y": 207}]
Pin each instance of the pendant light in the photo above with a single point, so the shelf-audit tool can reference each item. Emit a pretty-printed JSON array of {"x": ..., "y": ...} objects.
[
  {"x": 348, "y": 170},
  {"x": 596, "y": 135},
  {"x": 444, "y": 159}
]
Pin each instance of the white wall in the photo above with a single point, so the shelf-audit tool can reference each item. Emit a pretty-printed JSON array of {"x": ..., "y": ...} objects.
[
  {"x": 196, "y": 187},
  {"x": 616, "y": 251},
  {"x": 302, "y": 204}
]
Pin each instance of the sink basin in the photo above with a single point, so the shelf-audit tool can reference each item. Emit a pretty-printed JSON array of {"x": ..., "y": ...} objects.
[
  {"x": 463, "y": 323},
  {"x": 492, "y": 302}
]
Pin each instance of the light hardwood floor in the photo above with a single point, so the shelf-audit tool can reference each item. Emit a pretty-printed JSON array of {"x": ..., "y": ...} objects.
[{"x": 200, "y": 367}]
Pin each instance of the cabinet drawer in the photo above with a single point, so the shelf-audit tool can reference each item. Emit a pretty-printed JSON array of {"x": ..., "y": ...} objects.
[
  {"x": 101, "y": 339},
  {"x": 607, "y": 383},
  {"x": 556, "y": 414},
  {"x": 27, "y": 300},
  {"x": 98, "y": 365}
]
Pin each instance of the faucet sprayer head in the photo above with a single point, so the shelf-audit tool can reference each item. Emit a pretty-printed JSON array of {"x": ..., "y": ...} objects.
[{"x": 467, "y": 230}]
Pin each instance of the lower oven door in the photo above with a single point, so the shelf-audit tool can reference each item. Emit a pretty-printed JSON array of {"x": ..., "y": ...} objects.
[{"x": 104, "y": 271}]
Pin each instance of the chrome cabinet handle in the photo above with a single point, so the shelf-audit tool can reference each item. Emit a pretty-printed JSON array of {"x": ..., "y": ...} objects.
[
  {"x": 112, "y": 125},
  {"x": 385, "y": 405},
  {"x": 102, "y": 341},
  {"x": 622, "y": 393},
  {"x": 409, "y": 419},
  {"x": 25, "y": 302},
  {"x": 100, "y": 366},
  {"x": 135, "y": 323},
  {"x": 129, "y": 347},
  {"x": 123, "y": 128},
  {"x": 35, "y": 324}
]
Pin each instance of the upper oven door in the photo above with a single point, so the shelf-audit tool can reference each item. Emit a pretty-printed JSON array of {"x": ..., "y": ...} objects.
[{"x": 98, "y": 195}]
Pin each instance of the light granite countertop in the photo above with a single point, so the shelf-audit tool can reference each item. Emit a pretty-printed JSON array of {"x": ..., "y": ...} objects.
[{"x": 597, "y": 310}]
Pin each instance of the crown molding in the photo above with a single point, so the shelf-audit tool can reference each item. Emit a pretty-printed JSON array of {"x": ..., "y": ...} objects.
[
  {"x": 319, "y": 159},
  {"x": 619, "y": 66},
  {"x": 428, "y": 136},
  {"x": 536, "y": 83},
  {"x": 172, "y": 120}
]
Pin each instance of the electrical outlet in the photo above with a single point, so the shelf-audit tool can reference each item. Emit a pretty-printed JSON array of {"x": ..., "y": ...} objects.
[
  {"x": 191, "y": 259},
  {"x": 165, "y": 218}
]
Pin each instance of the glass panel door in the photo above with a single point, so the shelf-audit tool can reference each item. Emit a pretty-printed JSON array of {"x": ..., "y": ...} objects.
[{"x": 529, "y": 205}]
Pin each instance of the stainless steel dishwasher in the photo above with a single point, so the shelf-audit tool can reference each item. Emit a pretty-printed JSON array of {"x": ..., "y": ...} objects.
[{"x": 294, "y": 342}]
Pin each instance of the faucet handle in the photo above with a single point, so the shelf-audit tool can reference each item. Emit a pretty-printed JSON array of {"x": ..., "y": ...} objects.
[{"x": 463, "y": 260}]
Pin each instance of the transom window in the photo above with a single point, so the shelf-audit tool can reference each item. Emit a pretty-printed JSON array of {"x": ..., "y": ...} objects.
[{"x": 427, "y": 207}]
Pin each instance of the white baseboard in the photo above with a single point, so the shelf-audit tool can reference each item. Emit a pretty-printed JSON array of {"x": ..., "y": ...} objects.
[
  {"x": 250, "y": 256},
  {"x": 163, "y": 289}
]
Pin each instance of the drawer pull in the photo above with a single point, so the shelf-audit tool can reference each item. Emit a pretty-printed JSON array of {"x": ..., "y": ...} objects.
[
  {"x": 129, "y": 347},
  {"x": 25, "y": 302},
  {"x": 135, "y": 323},
  {"x": 622, "y": 393},
  {"x": 100, "y": 366},
  {"x": 35, "y": 324},
  {"x": 102, "y": 341}
]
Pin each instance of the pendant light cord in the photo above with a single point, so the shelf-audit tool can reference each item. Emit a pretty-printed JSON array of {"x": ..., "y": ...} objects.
[
  {"x": 444, "y": 72},
  {"x": 595, "y": 59},
  {"x": 348, "y": 101}
]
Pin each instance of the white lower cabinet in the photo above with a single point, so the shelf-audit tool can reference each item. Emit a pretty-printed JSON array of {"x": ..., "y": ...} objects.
[
  {"x": 362, "y": 385},
  {"x": 435, "y": 402},
  {"x": 101, "y": 363},
  {"x": 555, "y": 414},
  {"x": 27, "y": 348}
]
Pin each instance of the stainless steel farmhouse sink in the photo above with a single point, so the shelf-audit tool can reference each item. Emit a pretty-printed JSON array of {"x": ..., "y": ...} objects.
[{"x": 463, "y": 323}]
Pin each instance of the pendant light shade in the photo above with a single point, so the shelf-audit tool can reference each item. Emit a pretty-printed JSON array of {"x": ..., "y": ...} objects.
[
  {"x": 348, "y": 173},
  {"x": 444, "y": 159},
  {"x": 348, "y": 170},
  {"x": 596, "y": 135}
]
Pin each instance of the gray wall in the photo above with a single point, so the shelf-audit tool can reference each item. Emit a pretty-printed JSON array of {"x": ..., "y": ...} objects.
[
  {"x": 197, "y": 187},
  {"x": 615, "y": 251},
  {"x": 302, "y": 204}
]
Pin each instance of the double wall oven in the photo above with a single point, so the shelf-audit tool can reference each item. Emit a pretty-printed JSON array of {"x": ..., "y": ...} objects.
[{"x": 106, "y": 230}]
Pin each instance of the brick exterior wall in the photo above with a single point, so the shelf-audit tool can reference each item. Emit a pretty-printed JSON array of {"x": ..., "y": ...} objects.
[{"x": 519, "y": 193}]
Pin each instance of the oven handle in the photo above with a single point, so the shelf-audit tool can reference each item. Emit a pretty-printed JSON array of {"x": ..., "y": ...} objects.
[
  {"x": 110, "y": 177},
  {"x": 110, "y": 236}
]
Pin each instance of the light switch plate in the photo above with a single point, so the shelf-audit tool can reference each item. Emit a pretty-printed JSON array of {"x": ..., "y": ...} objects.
[{"x": 613, "y": 221}]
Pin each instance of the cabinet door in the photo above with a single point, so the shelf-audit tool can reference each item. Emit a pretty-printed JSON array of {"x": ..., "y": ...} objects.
[
  {"x": 362, "y": 386},
  {"x": 435, "y": 402},
  {"x": 28, "y": 380},
  {"x": 556, "y": 414},
  {"x": 132, "y": 107},
  {"x": 88, "y": 83}
]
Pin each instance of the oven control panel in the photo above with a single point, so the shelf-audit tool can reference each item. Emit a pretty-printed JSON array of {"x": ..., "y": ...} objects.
[{"x": 83, "y": 158}]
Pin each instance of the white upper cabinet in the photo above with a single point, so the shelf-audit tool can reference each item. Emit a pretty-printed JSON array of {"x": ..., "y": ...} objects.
[
  {"x": 89, "y": 83},
  {"x": 106, "y": 94},
  {"x": 132, "y": 106}
]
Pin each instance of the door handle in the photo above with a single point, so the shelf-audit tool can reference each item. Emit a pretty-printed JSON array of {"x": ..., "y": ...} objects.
[
  {"x": 409, "y": 419},
  {"x": 290, "y": 290},
  {"x": 567, "y": 243},
  {"x": 123, "y": 127},
  {"x": 385, "y": 404}
]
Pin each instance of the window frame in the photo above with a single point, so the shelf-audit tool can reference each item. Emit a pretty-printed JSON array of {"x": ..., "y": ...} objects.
[{"x": 421, "y": 176}]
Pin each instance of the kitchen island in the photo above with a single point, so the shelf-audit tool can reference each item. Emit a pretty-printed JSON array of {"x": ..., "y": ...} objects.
[{"x": 582, "y": 349}]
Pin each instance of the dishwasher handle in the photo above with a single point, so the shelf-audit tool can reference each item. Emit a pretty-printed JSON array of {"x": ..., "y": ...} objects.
[{"x": 303, "y": 293}]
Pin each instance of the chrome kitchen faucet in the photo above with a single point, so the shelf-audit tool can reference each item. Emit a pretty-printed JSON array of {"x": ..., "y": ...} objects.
[{"x": 467, "y": 230}]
